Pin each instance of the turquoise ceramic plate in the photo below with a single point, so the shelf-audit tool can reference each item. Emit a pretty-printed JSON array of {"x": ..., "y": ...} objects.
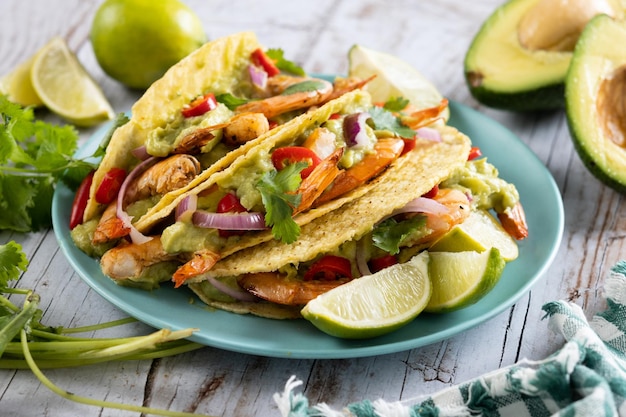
[{"x": 170, "y": 308}]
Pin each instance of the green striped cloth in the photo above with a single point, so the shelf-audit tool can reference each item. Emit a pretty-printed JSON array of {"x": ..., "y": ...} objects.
[{"x": 586, "y": 377}]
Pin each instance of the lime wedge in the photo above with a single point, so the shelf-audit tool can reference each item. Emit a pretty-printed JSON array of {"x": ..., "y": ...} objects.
[
  {"x": 66, "y": 88},
  {"x": 479, "y": 232},
  {"x": 460, "y": 279},
  {"x": 375, "y": 304},
  {"x": 394, "y": 78},
  {"x": 18, "y": 86}
]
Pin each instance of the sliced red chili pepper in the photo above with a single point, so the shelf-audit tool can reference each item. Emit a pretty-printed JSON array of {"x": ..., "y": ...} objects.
[
  {"x": 288, "y": 155},
  {"x": 230, "y": 204},
  {"x": 329, "y": 268},
  {"x": 376, "y": 264},
  {"x": 432, "y": 193},
  {"x": 80, "y": 201},
  {"x": 200, "y": 106},
  {"x": 260, "y": 59},
  {"x": 110, "y": 186},
  {"x": 335, "y": 116},
  {"x": 474, "y": 153},
  {"x": 409, "y": 145}
]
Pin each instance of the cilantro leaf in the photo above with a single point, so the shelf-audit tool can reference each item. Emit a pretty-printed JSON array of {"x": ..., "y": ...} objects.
[
  {"x": 396, "y": 104},
  {"x": 12, "y": 261},
  {"x": 389, "y": 234},
  {"x": 385, "y": 120},
  {"x": 230, "y": 101},
  {"x": 276, "y": 188},
  {"x": 283, "y": 64}
]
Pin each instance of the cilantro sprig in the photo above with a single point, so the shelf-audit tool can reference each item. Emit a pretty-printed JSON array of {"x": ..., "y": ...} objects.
[
  {"x": 390, "y": 233},
  {"x": 284, "y": 64},
  {"x": 276, "y": 188},
  {"x": 384, "y": 119},
  {"x": 21, "y": 328},
  {"x": 34, "y": 156}
]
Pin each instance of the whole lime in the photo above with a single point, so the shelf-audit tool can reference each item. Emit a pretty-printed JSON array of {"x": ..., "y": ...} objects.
[{"x": 136, "y": 41}]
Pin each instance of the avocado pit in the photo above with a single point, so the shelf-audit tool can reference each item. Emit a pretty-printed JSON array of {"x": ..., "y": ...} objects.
[
  {"x": 556, "y": 25},
  {"x": 611, "y": 107}
]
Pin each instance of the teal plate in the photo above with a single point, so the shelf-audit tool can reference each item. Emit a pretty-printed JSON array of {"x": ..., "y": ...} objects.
[{"x": 172, "y": 308}]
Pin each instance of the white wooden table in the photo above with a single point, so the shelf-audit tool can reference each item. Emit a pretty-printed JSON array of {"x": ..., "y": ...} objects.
[{"x": 431, "y": 35}]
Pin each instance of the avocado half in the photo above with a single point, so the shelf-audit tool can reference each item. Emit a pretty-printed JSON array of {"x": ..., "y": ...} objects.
[
  {"x": 520, "y": 56},
  {"x": 596, "y": 100}
]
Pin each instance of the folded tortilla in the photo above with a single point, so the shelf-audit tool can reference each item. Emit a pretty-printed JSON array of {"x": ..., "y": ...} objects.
[
  {"x": 217, "y": 66},
  {"x": 410, "y": 177}
]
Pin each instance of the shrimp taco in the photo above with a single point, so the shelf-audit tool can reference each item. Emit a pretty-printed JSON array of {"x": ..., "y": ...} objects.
[{"x": 398, "y": 218}]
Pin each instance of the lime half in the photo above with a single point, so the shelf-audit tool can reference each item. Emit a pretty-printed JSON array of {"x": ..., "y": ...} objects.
[
  {"x": 66, "y": 88},
  {"x": 460, "y": 279},
  {"x": 394, "y": 78},
  {"x": 479, "y": 232},
  {"x": 375, "y": 304}
]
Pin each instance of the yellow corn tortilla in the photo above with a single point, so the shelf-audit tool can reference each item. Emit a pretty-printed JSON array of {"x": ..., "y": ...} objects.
[
  {"x": 280, "y": 136},
  {"x": 220, "y": 62},
  {"x": 417, "y": 173}
]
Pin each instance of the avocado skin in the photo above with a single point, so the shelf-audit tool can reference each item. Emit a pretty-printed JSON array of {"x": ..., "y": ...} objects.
[
  {"x": 550, "y": 97},
  {"x": 579, "y": 118}
]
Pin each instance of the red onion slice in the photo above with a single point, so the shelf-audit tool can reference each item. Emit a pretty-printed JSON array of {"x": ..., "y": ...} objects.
[
  {"x": 258, "y": 76},
  {"x": 186, "y": 208},
  {"x": 141, "y": 153},
  {"x": 229, "y": 221},
  {"x": 429, "y": 133},
  {"x": 361, "y": 261},
  {"x": 135, "y": 235},
  {"x": 237, "y": 294},
  {"x": 423, "y": 205},
  {"x": 354, "y": 130}
]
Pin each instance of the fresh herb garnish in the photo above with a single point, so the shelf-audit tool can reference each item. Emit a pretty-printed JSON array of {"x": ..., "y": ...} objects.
[
  {"x": 230, "y": 100},
  {"x": 20, "y": 326},
  {"x": 389, "y": 234},
  {"x": 276, "y": 188},
  {"x": 34, "y": 156},
  {"x": 277, "y": 55},
  {"x": 396, "y": 104},
  {"x": 385, "y": 120}
]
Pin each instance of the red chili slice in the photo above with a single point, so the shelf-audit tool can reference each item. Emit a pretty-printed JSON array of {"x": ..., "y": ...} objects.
[
  {"x": 432, "y": 193},
  {"x": 230, "y": 204},
  {"x": 409, "y": 145},
  {"x": 288, "y": 155},
  {"x": 329, "y": 268},
  {"x": 376, "y": 264},
  {"x": 80, "y": 201},
  {"x": 200, "y": 106},
  {"x": 474, "y": 153},
  {"x": 110, "y": 186},
  {"x": 260, "y": 59}
]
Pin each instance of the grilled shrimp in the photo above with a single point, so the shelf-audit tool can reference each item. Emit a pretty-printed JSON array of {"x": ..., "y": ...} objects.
[
  {"x": 285, "y": 102},
  {"x": 110, "y": 226},
  {"x": 321, "y": 177},
  {"x": 167, "y": 175},
  {"x": 514, "y": 222},
  {"x": 128, "y": 260},
  {"x": 244, "y": 127},
  {"x": 458, "y": 206},
  {"x": 200, "y": 263},
  {"x": 386, "y": 151},
  {"x": 279, "y": 289}
]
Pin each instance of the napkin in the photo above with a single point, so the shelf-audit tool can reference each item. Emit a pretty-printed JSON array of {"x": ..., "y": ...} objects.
[{"x": 586, "y": 377}]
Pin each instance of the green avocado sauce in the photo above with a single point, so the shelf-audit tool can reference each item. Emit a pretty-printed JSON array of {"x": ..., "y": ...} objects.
[
  {"x": 479, "y": 179},
  {"x": 162, "y": 140}
]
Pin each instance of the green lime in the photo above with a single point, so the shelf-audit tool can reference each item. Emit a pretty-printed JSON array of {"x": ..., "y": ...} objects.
[
  {"x": 460, "y": 279},
  {"x": 479, "y": 232},
  {"x": 374, "y": 304},
  {"x": 65, "y": 87},
  {"x": 136, "y": 41},
  {"x": 394, "y": 78}
]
